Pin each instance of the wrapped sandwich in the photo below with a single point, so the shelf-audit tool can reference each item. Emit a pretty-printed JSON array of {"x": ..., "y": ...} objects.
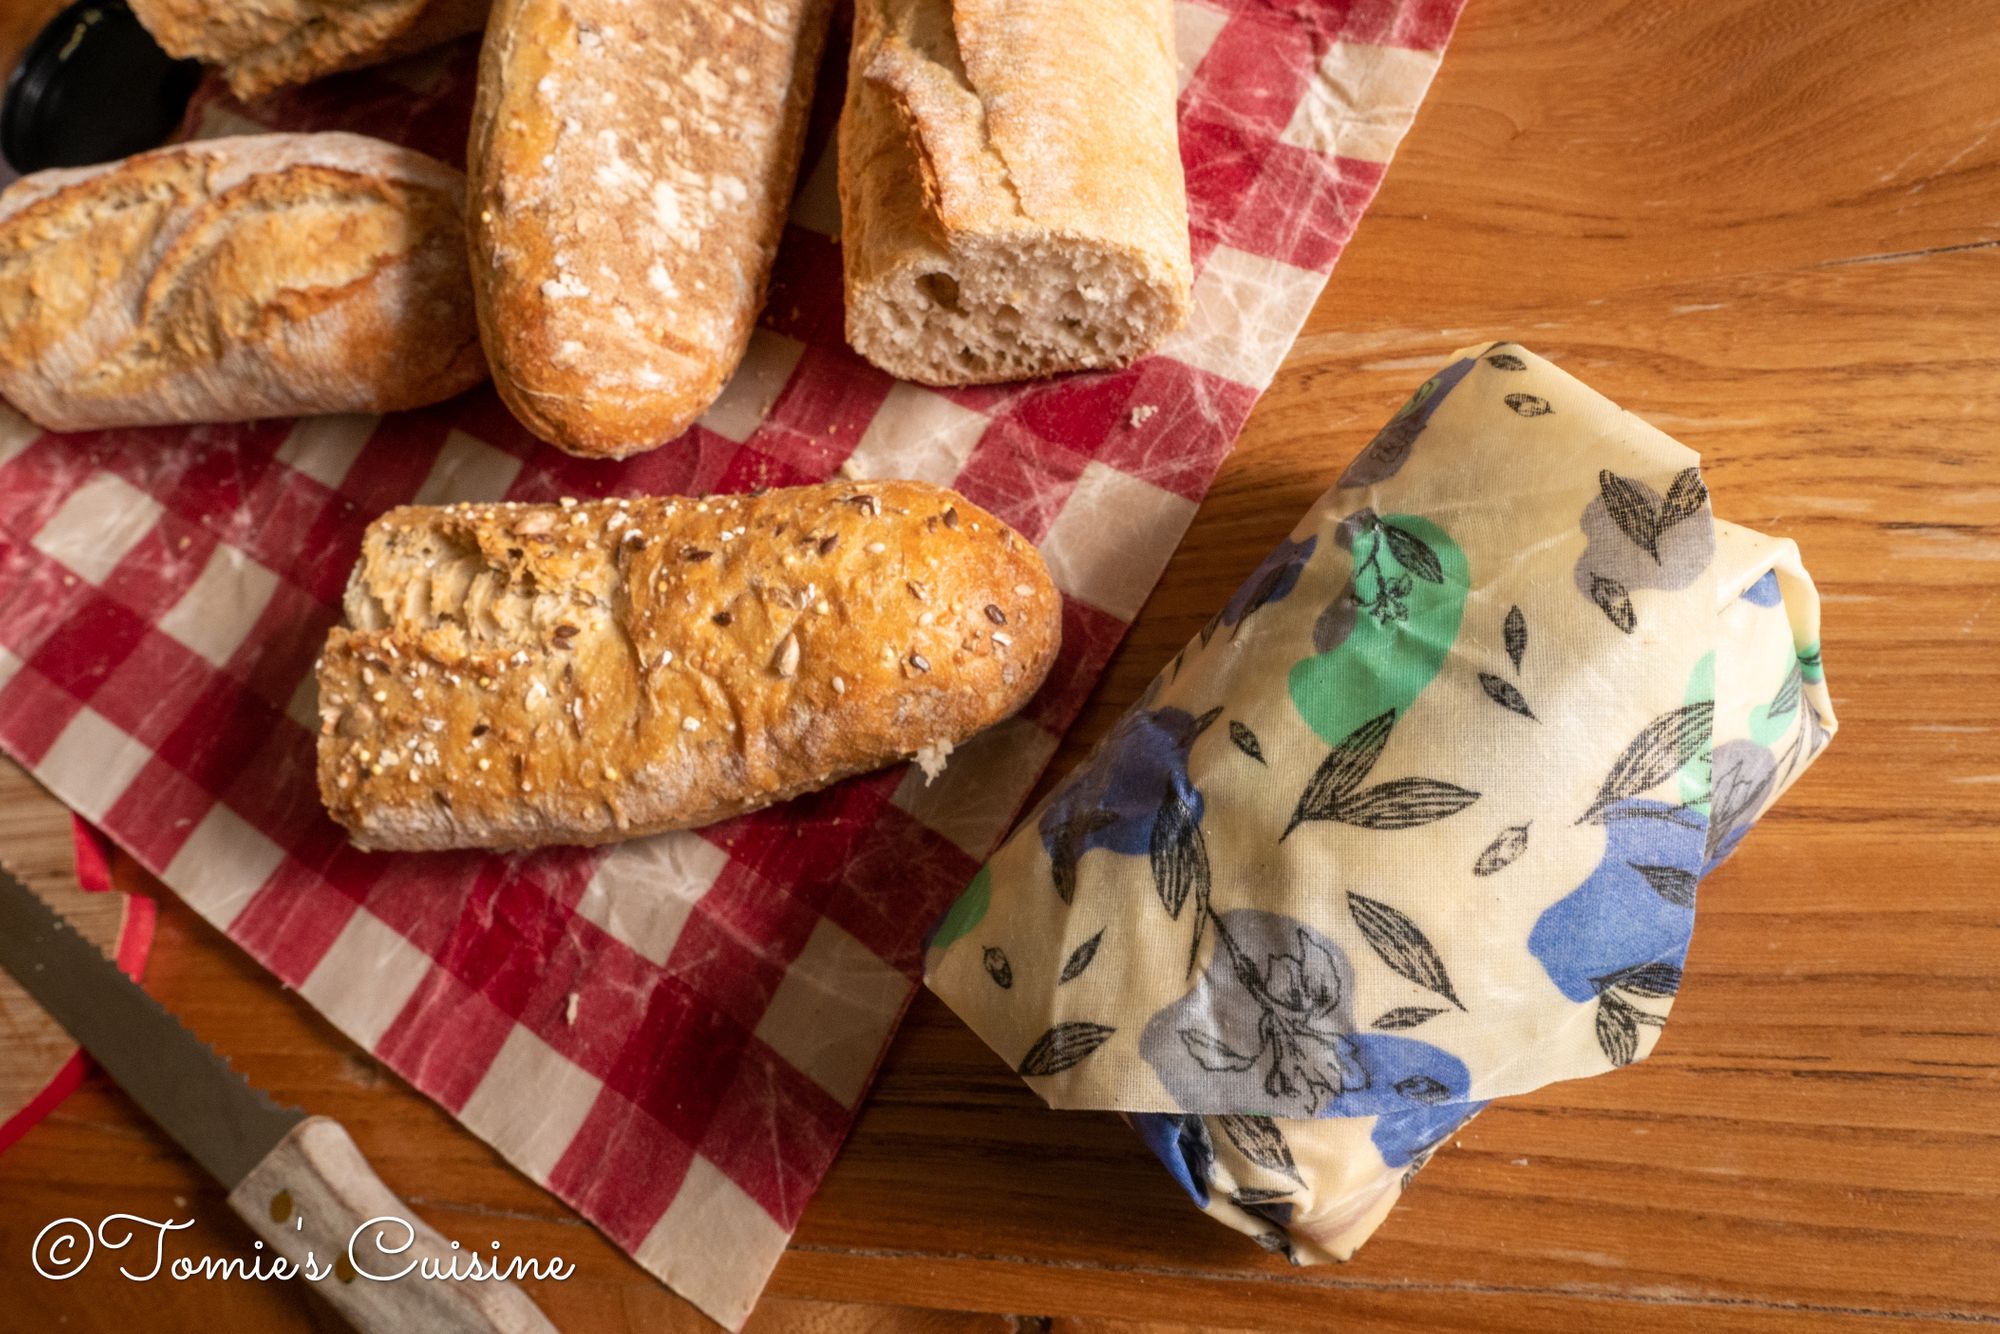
[{"x": 1417, "y": 821}]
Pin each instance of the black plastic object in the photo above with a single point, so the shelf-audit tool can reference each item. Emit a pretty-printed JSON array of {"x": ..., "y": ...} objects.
[{"x": 93, "y": 86}]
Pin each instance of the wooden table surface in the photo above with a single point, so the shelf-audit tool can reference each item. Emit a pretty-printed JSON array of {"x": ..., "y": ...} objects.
[{"x": 1773, "y": 228}]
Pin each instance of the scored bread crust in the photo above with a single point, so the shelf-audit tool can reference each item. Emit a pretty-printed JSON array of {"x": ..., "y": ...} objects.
[
  {"x": 229, "y": 279},
  {"x": 1012, "y": 200},
  {"x": 518, "y": 675},
  {"x": 631, "y": 168},
  {"x": 265, "y": 44}
]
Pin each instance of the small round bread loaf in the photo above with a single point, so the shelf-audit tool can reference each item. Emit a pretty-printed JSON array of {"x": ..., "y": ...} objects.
[
  {"x": 515, "y": 675},
  {"x": 271, "y": 275}
]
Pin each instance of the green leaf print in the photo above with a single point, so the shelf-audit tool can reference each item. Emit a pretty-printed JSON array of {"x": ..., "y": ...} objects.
[
  {"x": 1410, "y": 583},
  {"x": 1696, "y": 775},
  {"x": 967, "y": 912}
]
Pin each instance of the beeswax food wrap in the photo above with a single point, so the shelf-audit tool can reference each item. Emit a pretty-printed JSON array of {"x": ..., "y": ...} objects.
[{"x": 1418, "y": 819}]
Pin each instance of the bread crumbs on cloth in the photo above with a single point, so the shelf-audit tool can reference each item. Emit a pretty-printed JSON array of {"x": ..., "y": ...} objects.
[{"x": 931, "y": 759}]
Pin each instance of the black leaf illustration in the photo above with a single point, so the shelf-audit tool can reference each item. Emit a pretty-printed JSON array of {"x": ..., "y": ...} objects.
[
  {"x": 1068, "y": 848},
  {"x": 1684, "y": 498},
  {"x": 1790, "y": 759},
  {"x": 1529, "y": 405},
  {"x": 1246, "y": 741},
  {"x": 1737, "y": 799},
  {"x": 1631, "y": 511},
  {"x": 1516, "y": 631},
  {"x": 1656, "y": 980},
  {"x": 1503, "y": 693},
  {"x": 1405, "y": 1016},
  {"x": 998, "y": 968},
  {"x": 1062, "y": 1047},
  {"x": 1670, "y": 883},
  {"x": 1266, "y": 589},
  {"x": 1617, "y": 1028},
  {"x": 1180, "y": 855},
  {"x": 1402, "y": 804},
  {"x": 1062, "y": 865},
  {"x": 1080, "y": 957},
  {"x": 1502, "y": 851},
  {"x": 1424, "y": 1089},
  {"x": 1665, "y": 744},
  {"x": 1174, "y": 668},
  {"x": 1612, "y": 599},
  {"x": 1413, "y": 554},
  {"x": 1401, "y": 945},
  {"x": 1820, "y": 736},
  {"x": 1208, "y": 630},
  {"x": 1259, "y": 1139},
  {"x": 1342, "y": 770},
  {"x": 1205, "y": 721},
  {"x": 1671, "y": 815},
  {"x": 1787, "y": 697},
  {"x": 1200, "y": 925},
  {"x": 1212, "y": 1053},
  {"x": 1506, "y": 361},
  {"x": 1250, "y": 1197}
]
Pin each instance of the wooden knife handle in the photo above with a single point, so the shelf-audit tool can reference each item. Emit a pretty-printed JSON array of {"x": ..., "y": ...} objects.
[{"x": 315, "y": 1194}]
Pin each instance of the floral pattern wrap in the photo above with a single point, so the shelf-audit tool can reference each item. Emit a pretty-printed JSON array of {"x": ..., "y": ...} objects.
[{"x": 1416, "y": 821}]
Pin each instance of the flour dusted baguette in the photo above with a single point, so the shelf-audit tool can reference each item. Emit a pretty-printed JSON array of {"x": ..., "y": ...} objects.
[
  {"x": 229, "y": 279},
  {"x": 517, "y": 675},
  {"x": 265, "y": 44},
  {"x": 1010, "y": 182},
  {"x": 631, "y": 168}
]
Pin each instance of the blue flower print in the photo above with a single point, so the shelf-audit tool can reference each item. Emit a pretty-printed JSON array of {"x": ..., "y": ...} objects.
[
  {"x": 1268, "y": 1030},
  {"x": 1638, "y": 538},
  {"x": 1764, "y": 593},
  {"x": 1114, "y": 799},
  {"x": 1298, "y": 1040},
  {"x": 1264, "y": 1030},
  {"x": 1181, "y": 1142},
  {"x": 1270, "y": 582},
  {"x": 1386, "y": 454},
  {"x": 1743, "y": 775},
  {"x": 1635, "y": 909},
  {"x": 1416, "y": 1092}
]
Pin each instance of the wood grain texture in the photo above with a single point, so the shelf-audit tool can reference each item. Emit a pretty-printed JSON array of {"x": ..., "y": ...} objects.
[
  {"x": 36, "y": 845},
  {"x": 1773, "y": 228}
]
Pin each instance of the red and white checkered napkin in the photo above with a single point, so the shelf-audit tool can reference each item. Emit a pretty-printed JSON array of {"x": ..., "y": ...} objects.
[{"x": 672, "y": 1035}]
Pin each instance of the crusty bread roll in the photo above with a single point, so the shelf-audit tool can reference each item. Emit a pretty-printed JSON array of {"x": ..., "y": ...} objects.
[
  {"x": 631, "y": 168},
  {"x": 265, "y": 44},
  {"x": 266, "y": 276},
  {"x": 518, "y": 675},
  {"x": 1010, "y": 182}
]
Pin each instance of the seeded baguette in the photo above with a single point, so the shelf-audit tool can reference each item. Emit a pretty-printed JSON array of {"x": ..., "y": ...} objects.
[
  {"x": 271, "y": 275},
  {"x": 631, "y": 168},
  {"x": 520, "y": 675},
  {"x": 1011, "y": 195}
]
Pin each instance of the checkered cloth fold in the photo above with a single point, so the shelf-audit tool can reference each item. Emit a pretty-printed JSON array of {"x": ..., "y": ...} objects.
[{"x": 672, "y": 1035}]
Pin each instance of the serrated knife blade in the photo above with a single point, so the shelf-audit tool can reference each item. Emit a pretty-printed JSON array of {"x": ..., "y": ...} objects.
[
  {"x": 299, "y": 1181},
  {"x": 177, "y": 1079}
]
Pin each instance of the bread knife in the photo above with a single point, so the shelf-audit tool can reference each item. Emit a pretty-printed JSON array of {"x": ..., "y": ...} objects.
[{"x": 297, "y": 1180}]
